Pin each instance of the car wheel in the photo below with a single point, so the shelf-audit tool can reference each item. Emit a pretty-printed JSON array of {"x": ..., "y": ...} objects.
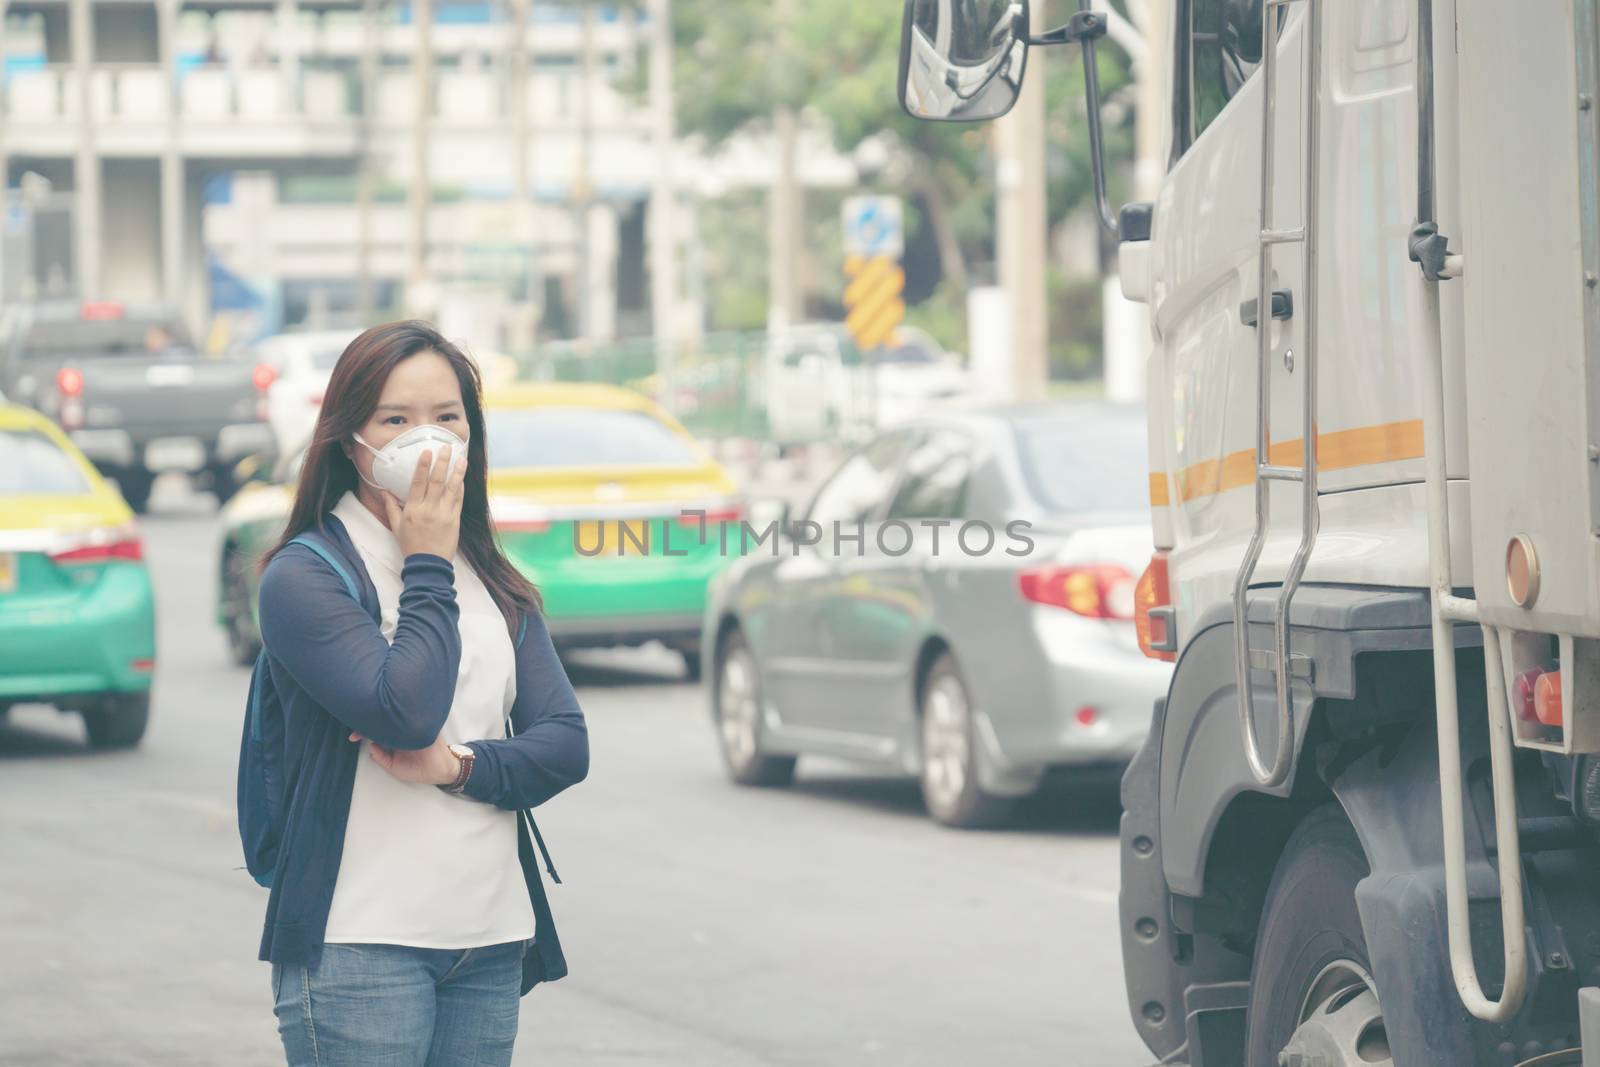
[
  {"x": 1312, "y": 999},
  {"x": 223, "y": 484},
  {"x": 691, "y": 663},
  {"x": 949, "y": 775},
  {"x": 244, "y": 644},
  {"x": 119, "y": 721},
  {"x": 136, "y": 486},
  {"x": 737, "y": 707}
]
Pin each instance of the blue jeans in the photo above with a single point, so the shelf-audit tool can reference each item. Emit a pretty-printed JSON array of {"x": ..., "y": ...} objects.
[{"x": 396, "y": 1006}]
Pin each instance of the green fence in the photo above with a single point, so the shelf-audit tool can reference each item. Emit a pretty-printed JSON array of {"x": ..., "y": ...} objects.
[{"x": 713, "y": 385}]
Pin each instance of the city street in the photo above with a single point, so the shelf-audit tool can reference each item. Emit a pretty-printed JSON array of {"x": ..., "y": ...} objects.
[{"x": 705, "y": 925}]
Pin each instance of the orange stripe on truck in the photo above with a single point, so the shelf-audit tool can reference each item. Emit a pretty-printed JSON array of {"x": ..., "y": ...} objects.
[{"x": 1361, "y": 447}]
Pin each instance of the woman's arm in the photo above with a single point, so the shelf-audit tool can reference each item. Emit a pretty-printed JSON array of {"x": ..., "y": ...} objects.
[
  {"x": 551, "y": 748},
  {"x": 399, "y": 694}
]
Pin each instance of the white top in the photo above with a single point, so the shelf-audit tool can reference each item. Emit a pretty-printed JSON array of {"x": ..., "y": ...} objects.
[{"x": 422, "y": 867}]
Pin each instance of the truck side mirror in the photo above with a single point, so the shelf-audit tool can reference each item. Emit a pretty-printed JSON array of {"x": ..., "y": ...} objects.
[{"x": 962, "y": 62}]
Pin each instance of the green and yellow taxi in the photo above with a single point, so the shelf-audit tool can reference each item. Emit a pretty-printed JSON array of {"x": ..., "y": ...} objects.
[
  {"x": 77, "y": 614},
  {"x": 602, "y": 499}
]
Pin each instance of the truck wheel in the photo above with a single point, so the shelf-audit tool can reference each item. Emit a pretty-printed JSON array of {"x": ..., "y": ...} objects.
[
  {"x": 950, "y": 788},
  {"x": 737, "y": 705},
  {"x": 1312, "y": 998},
  {"x": 136, "y": 486},
  {"x": 119, "y": 722}
]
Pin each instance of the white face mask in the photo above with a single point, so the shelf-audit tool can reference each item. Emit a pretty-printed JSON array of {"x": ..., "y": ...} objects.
[{"x": 395, "y": 464}]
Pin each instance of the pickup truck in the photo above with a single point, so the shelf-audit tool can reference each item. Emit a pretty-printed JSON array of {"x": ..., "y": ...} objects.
[{"x": 131, "y": 390}]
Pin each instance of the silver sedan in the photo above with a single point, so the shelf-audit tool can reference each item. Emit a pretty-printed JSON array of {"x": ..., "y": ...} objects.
[{"x": 956, "y": 603}]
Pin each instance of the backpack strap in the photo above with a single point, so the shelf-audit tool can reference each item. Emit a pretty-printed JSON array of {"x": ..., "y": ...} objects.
[{"x": 332, "y": 561}]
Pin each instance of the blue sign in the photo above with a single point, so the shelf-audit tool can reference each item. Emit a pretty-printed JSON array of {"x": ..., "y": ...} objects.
[{"x": 874, "y": 226}]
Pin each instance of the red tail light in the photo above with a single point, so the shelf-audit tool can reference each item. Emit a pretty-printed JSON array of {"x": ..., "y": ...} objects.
[
  {"x": 1152, "y": 611},
  {"x": 711, "y": 516},
  {"x": 69, "y": 381},
  {"x": 522, "y": 525},
  {"x": 1098, "y": 591},
  {"x": 263, "y": 377},
  {"x": 123, "y": 544},
  {"x": 316, "y": 399},
  {"x": 100, "y": 309}
]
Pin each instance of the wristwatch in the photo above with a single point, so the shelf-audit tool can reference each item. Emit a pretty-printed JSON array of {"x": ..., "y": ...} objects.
[{"x": 466, "y": 756}]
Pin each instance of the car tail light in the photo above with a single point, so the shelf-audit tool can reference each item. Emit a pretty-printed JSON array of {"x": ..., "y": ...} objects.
[
  {"x": 1152, "y": 611},
  {"x": 1086, "y": 716},
  {"x": 1098, "y": 591},
  {"x": 711, "y": 516},
  {"x": 263, "y": 377},
  {"x": 100, "y": 309},
  {"x": 69, "y": 381},
  {"x": 522, "y": 526},
  {"x": 120, "y": 544},
  {"x": 316, "y": 399},
  {"x": 143, "y": 666}
]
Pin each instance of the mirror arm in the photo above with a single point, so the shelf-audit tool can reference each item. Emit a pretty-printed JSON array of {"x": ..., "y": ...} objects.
[{"x": 1085, "y": 28}]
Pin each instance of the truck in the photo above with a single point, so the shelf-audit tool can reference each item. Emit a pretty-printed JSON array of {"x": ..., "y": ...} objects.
[
  {"x": 1365, "y": 825},
  {"x": 134, "y": 394}
]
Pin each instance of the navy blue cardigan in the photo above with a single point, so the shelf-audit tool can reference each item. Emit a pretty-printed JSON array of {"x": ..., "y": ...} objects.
[{"x": 334, "y": 672}]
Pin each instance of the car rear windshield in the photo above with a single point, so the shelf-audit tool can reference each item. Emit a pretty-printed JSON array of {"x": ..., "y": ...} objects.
[
  {"x": 323, "y": 357},
  {"x": 104, "y": 337},
  {"x": 35, "y": 465},
  {"x": 1086, "y": 461},
  {"x": 583, "y": 437}
]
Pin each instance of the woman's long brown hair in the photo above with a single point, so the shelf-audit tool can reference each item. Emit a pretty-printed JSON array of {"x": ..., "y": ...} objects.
[{"x": 349, "y": 401}]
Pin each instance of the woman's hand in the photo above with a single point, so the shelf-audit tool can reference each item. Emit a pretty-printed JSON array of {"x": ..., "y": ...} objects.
[
  {"x": 430, "y": 519},
  {"x": 434, "y": 765}
]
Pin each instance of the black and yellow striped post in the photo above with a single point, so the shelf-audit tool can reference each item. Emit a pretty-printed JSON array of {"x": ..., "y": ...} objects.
[{"x": 872, "y": 299}]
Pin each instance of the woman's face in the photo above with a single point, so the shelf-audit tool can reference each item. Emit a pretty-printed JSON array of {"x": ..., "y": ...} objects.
[{"x": 422, "y": 390}]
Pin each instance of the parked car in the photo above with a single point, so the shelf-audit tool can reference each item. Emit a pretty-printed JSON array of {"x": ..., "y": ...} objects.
[
  {"x": 819, "y": 386},
  {"x": 77, "y": 617},
  {"x": 605, "y": 502},
  {"x": 301, "y": 365},
  {"x": 979, "y": 667},
  {"x": 133, "y": 393}
]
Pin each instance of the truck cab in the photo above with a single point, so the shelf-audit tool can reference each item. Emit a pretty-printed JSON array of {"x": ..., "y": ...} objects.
[{"x": 1362, "y": 827}]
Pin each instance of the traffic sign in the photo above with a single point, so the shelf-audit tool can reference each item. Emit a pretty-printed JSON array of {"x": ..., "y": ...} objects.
[
  {"x": 873, "y": 298},
  {"x": 874, "y": 226}
]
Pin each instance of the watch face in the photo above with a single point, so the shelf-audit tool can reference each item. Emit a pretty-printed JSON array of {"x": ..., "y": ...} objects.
[{"x": 461, "y": 750}]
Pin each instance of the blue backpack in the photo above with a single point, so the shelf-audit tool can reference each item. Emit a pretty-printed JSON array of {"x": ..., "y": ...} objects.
[{"x": 261, "y": 799}]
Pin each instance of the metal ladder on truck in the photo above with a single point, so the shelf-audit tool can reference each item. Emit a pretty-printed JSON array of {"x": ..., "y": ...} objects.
[
  {"x": 1447, "y": 608},
  {"x": 1272, "y": 772}
]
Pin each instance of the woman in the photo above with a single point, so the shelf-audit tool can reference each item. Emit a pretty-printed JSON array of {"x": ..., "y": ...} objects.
[{"x": 405, "y": 900}]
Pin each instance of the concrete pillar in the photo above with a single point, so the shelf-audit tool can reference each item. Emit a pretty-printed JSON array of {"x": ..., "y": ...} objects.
[
  {"x": 172, "y": 185},
  {"x": 196, "y": 286},
  {"x": 599, "y": 282},
  {"x": 86, "y": 170},
  {"x": 289, "y": 54},
  {"x": 1022, "y": 223}
]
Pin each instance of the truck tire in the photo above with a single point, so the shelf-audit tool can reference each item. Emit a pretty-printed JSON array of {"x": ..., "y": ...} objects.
[
  {"x": 949, "y": 753},
  {"x": 120, "y": 720},
  {"x": 1310, "y": 982},
  {"x": 736, "y": 703}
]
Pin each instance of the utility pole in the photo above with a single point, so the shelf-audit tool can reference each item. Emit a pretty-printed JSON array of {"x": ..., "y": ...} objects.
[
  {"x": 663, "y": 195},
  {"x": 366, "y": 297},
  {"x": 421, "y": 175},
  {"x": 86, "y": 171},
  {"x": 1023, "y": 225},
  {"x": 583, "y": 191},
  {"x": 784, "y": 204},
  {"x": 524, "y": 318}
]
